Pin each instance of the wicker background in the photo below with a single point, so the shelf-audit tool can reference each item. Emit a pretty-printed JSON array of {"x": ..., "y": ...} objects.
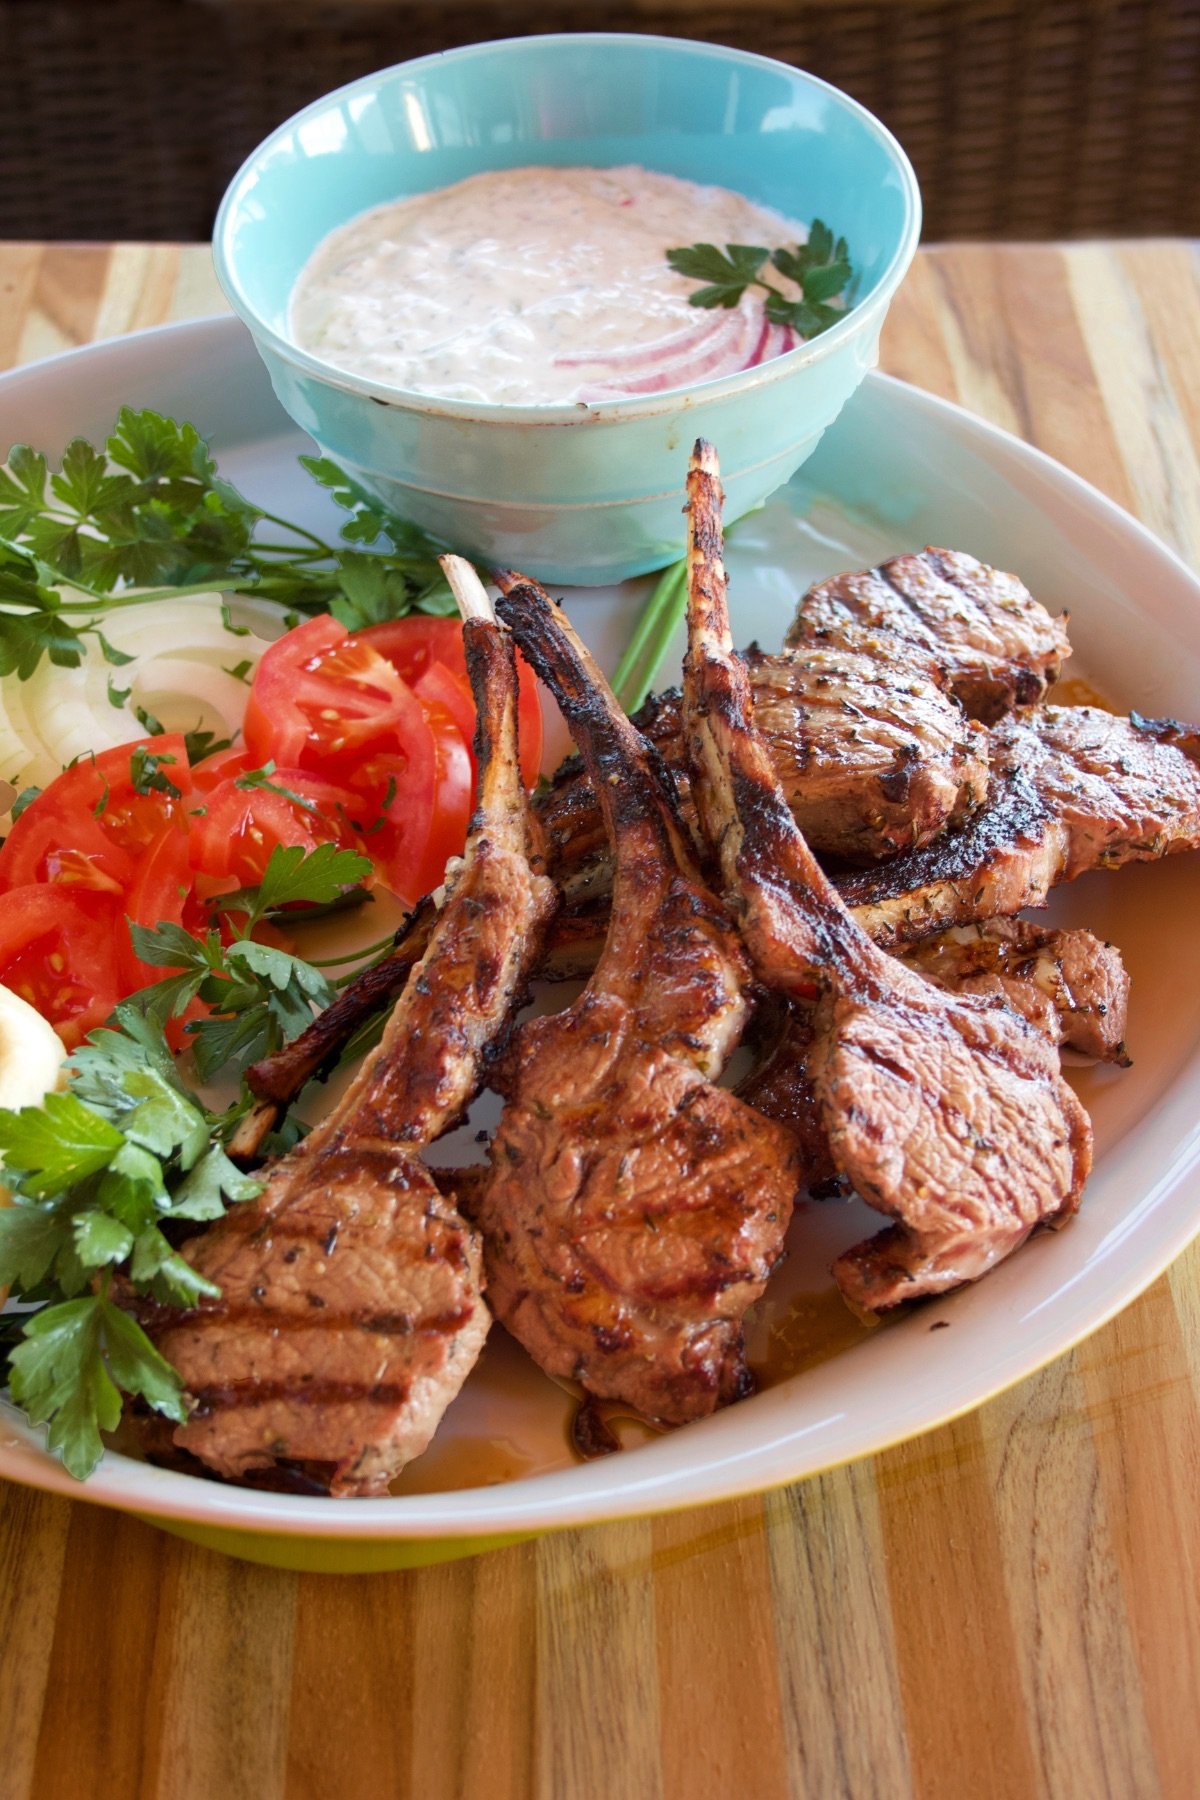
[{"x": 125, "y": 118}]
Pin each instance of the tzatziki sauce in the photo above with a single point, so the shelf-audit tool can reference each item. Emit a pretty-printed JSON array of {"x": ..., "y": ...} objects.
[{"x": 538, "y": 285}]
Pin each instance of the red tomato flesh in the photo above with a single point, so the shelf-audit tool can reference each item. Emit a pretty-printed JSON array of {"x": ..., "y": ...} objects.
[
  {"x": 414, "y": 644},
  {"x": 59, "y": 953},
  {"x": 89, "y": 829}
]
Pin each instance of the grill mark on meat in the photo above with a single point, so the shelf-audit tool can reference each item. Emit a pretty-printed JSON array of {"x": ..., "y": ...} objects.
[
  {"x": 948, "y": 1112},
  {"x": 1073, "y": 788},
  {"x": 997, "y": 646},
  {"x": 634, "y": 1210},
  {"x": 873, "y": 755},
  {"x": 235, "y": 1396},
  {"x": 351, "y": 1306}
]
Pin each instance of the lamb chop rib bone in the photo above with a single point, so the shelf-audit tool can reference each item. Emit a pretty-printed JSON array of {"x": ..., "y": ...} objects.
[
  {"x": 947, "y": 1112},
  {"x": 351, "y": 1304},
  {"x": 634, "y": 1210}
]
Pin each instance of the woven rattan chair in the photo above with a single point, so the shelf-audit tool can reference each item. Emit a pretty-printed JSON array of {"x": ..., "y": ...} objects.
[{"x": 125, "y": 118}]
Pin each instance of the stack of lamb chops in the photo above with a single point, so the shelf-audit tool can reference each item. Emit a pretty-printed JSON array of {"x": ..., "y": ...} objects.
[{"x": 632, "y": 1210}]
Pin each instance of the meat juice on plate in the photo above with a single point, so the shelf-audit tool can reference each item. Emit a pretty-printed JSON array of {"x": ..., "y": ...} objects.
[{"x": 539, "y": 285}]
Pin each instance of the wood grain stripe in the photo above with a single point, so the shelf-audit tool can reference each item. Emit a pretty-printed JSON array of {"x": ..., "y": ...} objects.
[
  {"x": 844, "y": 1723},
  {"x": 1075, "y": 1661},
  {"x": 33, "y": 1546},
  {"x": 65, "y": 301},
  {"x": 93, "y": 1641},
  {"x": 597, "y": 1688},
  {"x": 219, "y": 1701},
  {"x": 1161, "y": 462},
  {"x": 955, "y": 1636},
  {"x": 711, "y": 1643},
  {"x": 1146, "y": 1433},
  {"x": 19, "y": 268},
  {"x": 354, "y": 1651}
]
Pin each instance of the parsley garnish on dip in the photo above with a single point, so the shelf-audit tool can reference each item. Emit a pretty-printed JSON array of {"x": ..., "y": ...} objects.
[{"x": 541, "y": 285}]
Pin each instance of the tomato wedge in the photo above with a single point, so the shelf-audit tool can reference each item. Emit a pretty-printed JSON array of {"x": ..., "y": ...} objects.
[
  {"x": 162, "y": 892},
  {"x": 59, "y": 952},
  {"x": 239, "y": 827},
  {"x": 91, "y": 826},
  {"x": 415, "y": 644},
  {"x": 322, "y": 700},
  {"x": 407, "y": 866}
]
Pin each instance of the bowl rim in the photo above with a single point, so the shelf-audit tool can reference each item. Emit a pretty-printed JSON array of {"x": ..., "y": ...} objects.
[{"x": 859, "y": 320}]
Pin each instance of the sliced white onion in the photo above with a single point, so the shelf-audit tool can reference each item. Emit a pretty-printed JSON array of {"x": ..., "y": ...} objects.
[{"x": 183, "y": 652}]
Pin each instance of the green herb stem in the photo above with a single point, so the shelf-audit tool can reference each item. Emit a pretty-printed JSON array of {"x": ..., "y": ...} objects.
[{"x": 652, "y": 636}]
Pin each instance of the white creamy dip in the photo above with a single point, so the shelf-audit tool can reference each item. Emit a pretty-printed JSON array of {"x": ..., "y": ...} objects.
[{"x": 530, "y": 286}]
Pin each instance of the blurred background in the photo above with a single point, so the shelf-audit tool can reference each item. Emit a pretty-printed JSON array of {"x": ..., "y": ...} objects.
[{"x": 1069, "y": 118}]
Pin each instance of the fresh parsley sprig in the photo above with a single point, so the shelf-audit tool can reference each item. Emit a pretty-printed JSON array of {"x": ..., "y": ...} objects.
[
  {"x": 821, "y": 269},
  {"x": 95, "y": 1173},
  {"x": 259, "y": 997},
  {"x": 148, "y": 516}
]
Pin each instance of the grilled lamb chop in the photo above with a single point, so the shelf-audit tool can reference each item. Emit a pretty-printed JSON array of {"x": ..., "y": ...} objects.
[
  {"x": 946, "y": 1111},
  {"x": 634, "y": 1210},
  {"x": 996, "y": 646},
  {"x": 351, "y": 1305},
  {"x": 1072, "y": 788},
  {"x": 1067, "y": 983},
  {"x": 872, "y": 754}
]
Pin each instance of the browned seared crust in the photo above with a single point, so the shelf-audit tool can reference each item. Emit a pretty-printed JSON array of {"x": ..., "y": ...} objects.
[
  {"x": 635, "y": 1210},
  {"x": 351, "y": 1307},
  {"x": 947, "y": 1112},
  {"x": 1067, "y": 983},
  {"x": 1073, "y": 788},
  {"x": 995, "y": 644}
]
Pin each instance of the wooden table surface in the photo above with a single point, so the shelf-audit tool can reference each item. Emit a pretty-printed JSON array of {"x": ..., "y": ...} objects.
[{"x": 1009, "y": 1606}]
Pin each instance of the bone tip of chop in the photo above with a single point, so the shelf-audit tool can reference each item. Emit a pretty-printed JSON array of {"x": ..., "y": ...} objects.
[
  {"x": 469, "y": 592},
  {"x": 704, "y": 458}
]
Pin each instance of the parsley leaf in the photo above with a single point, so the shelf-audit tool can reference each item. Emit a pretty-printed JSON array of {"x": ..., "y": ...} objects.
[
  {"x": 67, "y": 1370},
  {"x": 729, "y": 273},
  {"x": 55, "y": 1145},
  {"x": 146, "y": 772},
  {"x": 95, "y": 1173},
  {"x": 821, "y": 269},
  {"x": 319, "y": 877},
  {"x": 149, "y": 511},
  {"x": 25, "y": 798}
]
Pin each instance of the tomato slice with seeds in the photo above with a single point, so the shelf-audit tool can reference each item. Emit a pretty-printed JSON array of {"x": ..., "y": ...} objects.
[
  {"x": 322, "y": 700},
  {"x": 440, "y": 687},
  {"x": 59, "y": 952},
  {"x": 415, "y": 644},
  {"x": 393, "y": 848},
  {"x": 239, "y": 827},
  {"x": 89, "y": 829},
  {"x": 163, "y": 892}
]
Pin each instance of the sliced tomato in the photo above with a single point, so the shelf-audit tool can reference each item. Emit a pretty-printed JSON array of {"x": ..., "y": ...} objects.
[
  {"x": 396, "y": 799},
  {"x": 222, "y": 765},
  {"x": 91, "y": 826},
  {"x": 414, "y": 644},
  {"x": 239, "y": 827},
  {"x": 322, "y": 700},
  {"x": 453, "y": 796},
  {"x": 439, "y": 686},
  {"x": 163, "y": 892},
  {"x": 59, "y": 952}
]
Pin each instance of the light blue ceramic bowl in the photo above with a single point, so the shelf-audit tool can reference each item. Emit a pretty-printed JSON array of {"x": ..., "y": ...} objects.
[{"x": 570, "y": 493}]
